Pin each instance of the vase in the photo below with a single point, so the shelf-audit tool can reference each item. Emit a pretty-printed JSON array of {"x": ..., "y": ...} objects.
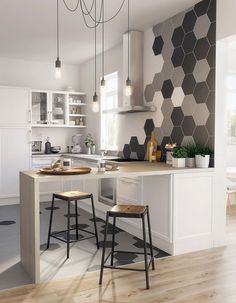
[
  {"x": 93, "y": 149},
  {"x": 202, "y": 161},
  {"x": 190, "y": 162},
  {"x": 88, "y": 150},
  {"x": 178, "y": 162}
]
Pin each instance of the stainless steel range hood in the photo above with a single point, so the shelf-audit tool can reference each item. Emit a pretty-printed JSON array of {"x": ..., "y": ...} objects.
[{"x": 135, "y": 102}]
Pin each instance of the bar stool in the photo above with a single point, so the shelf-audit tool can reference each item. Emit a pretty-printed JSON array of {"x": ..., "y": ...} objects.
[
  {"x": 128, "y": 211},
  {"x": 68, "y": 197}
]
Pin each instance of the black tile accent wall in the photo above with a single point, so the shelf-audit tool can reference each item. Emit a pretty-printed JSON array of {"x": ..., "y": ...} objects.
[{"x": 187, "y": 79}]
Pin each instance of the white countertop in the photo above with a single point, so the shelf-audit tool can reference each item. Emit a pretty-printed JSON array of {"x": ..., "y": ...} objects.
[
  {"x": 76, "y": 156},
  {"x": 131, "y": 169}
]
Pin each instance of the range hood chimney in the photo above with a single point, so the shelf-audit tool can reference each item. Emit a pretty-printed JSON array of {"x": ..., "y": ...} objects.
[{"x": 135, "y": 102}]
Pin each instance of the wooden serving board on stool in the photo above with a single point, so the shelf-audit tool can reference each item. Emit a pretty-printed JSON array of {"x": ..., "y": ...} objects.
[{"x": 69, "y": 171}]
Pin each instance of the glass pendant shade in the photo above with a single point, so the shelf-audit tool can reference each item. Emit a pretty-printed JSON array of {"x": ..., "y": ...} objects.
[
  {"x": 95, "y": 105},
  {"x": 58, "y": 68},
  {"x": 103, "y": 86},
  {"x": 128, "y": 88}
]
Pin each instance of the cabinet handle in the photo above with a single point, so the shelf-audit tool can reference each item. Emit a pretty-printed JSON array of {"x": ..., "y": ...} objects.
[
  {"x": 29, "y": 116},
  {"x": 30, "y": 136}
]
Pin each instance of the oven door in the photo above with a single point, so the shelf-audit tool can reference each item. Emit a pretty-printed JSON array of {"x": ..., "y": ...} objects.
[{"x": 107, "y": 191}]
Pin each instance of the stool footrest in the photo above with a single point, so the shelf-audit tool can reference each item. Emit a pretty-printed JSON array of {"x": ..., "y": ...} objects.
[{"x": 53, "y": 235}]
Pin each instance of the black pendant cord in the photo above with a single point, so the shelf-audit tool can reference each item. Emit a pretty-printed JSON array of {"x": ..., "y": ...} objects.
[
  {"x": 95, "y": 48},
  {"x": 58, "y": 29},
  {"x": 128, "y": 41},
  {"x": 103, "y": 41}
]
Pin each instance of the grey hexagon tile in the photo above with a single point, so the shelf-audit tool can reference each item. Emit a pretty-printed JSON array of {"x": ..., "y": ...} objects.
[
  {"x": 210, "y": 102},
  {"x": 158, "y": 45},
  {"x": 189, "y": 105},
  {"x": 211, "y": 144},
  {"x": 189, "y": 21},
  {"x": 202, "y": 26},
  {"x": 157, "y": 81},
  {"x": 157, "y": 29},
  {"x": 177, "y": 135},
  {"x": 202, "y": 48},
  {"x": 201, "y": 92},
  {"x": 177, "y": 116},
  {"x": 201, "y": 70},
  {"x": 167, "y": 70},
  {"x": 189, "y": 84},
  {"x": 133, "y": 155},
  {"x": 201, "y": 114},
  {"x": 177, "y": 96},
  {"x": 177, "y": 77},
  {"x": 166, "y": 140},
  {"x": 211, "y": 56},
  {"x": 177, "y": 20},
  {"x": 188, "y": 140},
  {"x": 167, "y": 107},
  {"x": 167, "y": 50},
  {"x": 188, "y": 126},
  {"x": 149, "y": 93},
  {"x": 158, "y": 99},
  {"x": 159, "y": 134},
  {"x": 167, "y": 126},
  {"x": 201, "y": 7},
  {"x": 167, "y": 30},
  {"x": 200, "y": 135},
  {"x": 158, "y": 118}
]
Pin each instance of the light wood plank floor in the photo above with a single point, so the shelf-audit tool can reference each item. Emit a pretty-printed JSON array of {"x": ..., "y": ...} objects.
[{"x": 206, "y": 276}]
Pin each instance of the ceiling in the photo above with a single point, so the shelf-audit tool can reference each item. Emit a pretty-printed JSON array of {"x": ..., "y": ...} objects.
[{"x": 28, "y": 27}]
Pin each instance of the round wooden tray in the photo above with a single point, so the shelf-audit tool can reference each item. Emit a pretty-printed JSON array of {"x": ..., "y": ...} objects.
[{"x": 70, "y": 171}]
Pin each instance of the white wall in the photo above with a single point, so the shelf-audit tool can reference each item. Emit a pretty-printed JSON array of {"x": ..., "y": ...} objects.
[{"x": 38, "y": 75}]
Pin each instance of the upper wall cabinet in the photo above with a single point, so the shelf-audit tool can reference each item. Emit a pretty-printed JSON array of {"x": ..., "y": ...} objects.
[
  {"x": 58, "y": 109},
  {"x": 15, "y": 106}
]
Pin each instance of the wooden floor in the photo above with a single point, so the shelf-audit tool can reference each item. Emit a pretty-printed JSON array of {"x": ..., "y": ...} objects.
[{"x": 206, "y": 276}]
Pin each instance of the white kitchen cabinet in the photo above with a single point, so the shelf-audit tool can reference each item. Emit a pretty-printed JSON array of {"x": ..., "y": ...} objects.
[
  {"x": 15, "y": 106},
  {"x": 15, "y": 151}
]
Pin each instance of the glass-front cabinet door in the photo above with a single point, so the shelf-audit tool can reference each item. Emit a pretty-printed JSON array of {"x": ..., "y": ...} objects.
[
  {"x": 40, "y": 108},
  {"x": 59, "y": 108}
]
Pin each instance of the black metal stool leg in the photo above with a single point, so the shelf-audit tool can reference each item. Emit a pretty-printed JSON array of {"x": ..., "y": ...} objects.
[
  {"x": 145, "y": 252},
  {"x": 113, "y": 240},
  {"x": 50, "y": 222},
  {"x": 76, "y": 220},
  {"x": 104, "y": 250},
  {"x": 68, "y": 230},
  {"x": 95, "y": 223},
  {"x": 150, "y": 238}
]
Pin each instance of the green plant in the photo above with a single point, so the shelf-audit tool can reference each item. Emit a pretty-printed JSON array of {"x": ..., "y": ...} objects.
[
  {"x": 203, "y": 151},
  {"x": 89, "y": 140},
  {"x": 179, "y": 152},
  {"x": 191, "y": 150}
]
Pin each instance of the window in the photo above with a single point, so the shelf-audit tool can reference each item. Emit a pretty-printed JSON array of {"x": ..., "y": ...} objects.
[
  {"x": 231, "y": 109},
  {"x": 109, "y": 121}
]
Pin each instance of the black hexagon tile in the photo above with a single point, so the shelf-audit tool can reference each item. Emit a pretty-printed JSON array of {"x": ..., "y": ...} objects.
[
  {"x": 211, "y": 57},
  {"x": 210, "y": 125},
  {"x": 211, "y": 79},
  {"x": 178, "y": 56},
  {"x": 133, "y": 143},
  {"x": 158, "y": 45},
  {"x": 201, "y": 92},
  {"x": 201, "y": 7},
  {"x": 210, "y": 102},
  {"x": 167, "y": 89},
  {"x": 7, "y": 222},
  {"x": 177, "y": 135},
  {"x": 211, "y": 12},
  {"x": 189, "y": 42},
  {"x": 189, "y": 63},
  {"x": 202, "y": 48},
  {"x": 188, "y": 126},
  {"x": 189, "y": 21},
  {"x": 177, "y": 116},
  {"x": 200, "y": 135},
  {"x": 211, "y": 35},
  {"x": 178, "y": 36},
  {"x": 126, "y": 151},
  {"x": 189, "y": 84}
]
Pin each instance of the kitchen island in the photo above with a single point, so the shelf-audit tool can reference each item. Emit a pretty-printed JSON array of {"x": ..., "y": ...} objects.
[{"x": 181, "y": 204}]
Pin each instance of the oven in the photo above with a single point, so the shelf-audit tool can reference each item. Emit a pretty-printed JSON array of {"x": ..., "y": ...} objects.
[{"x": 107, "y": 191}]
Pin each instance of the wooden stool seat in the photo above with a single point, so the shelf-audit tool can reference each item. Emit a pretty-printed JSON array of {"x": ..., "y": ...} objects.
[
  {"x": 127, "y": 210},
  {"x": 72, "y": 195}
]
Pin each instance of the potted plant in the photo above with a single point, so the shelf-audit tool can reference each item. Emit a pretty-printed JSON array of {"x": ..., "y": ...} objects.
[
  {"x": 179, "y": 154},
  {"x": 191, "y": 151},
  {"x": 89, "y": 142},
  {"x": 202, "y": 156}
]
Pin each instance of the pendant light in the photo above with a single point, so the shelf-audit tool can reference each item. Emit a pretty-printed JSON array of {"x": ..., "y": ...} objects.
[
  {"x": 103, "y": 81},
  {"x": 95, "y": 105},
  {"x": 58, "y": 62},
  {"x": 128, "y": 86}
]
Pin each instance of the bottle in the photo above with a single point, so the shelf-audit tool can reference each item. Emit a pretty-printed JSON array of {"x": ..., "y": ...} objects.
[
  {"x": 47, "y": 146},
  {"x": 101, "y": 164},
  {"x": 151, "y": 149}
]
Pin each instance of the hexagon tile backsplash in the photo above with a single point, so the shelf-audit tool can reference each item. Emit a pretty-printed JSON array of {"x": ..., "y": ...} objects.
[{"x": 186, "y": 83}]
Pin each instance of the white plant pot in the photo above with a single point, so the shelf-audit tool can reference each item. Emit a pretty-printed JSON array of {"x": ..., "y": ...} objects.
[
  {"x": 202, "y": 162},
  {"x": 88, "y": 150},
  {"x": 93, "y": 149},
  {"x": 178, "y": 162},
  {"x": 190, "y": 162}
]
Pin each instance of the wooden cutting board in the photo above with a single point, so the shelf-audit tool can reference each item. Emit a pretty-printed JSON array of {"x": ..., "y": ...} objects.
[{"x": 70, "y": 171}]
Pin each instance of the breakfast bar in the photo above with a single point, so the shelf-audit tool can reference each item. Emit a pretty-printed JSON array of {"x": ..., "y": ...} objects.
[{"x": 169, "y": 192}]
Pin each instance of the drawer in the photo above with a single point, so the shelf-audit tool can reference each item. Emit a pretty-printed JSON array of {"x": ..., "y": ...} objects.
[{"x": 129, "y": 190}]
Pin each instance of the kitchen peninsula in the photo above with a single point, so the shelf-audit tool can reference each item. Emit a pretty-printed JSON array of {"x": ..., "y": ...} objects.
[{"x": 181, "y": 204}]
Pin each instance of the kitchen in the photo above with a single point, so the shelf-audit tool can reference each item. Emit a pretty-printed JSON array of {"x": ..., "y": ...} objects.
[{"x": 170, "y": 60}]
